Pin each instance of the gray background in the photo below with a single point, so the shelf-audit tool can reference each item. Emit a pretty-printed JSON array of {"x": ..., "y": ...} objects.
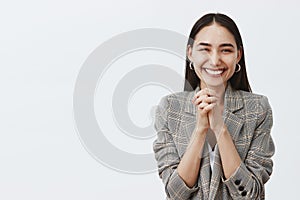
[{"x": 43, "y": 45}]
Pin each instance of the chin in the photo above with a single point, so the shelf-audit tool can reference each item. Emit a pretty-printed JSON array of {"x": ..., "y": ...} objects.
[{"x": 214, "y": 85}]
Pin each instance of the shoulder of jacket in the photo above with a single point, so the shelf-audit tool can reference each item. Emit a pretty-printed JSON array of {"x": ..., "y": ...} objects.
[
  {"x": 260, "y": 101},
  {"x": 180, "y": 96},
  {"x": 176, "y": 100}
]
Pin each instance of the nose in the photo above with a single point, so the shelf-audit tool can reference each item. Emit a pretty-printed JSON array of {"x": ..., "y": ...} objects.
[{"x": 215, "y": 58}]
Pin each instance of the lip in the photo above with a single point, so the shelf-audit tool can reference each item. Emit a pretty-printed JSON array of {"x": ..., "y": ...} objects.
[{"x": 214, "y": 72}]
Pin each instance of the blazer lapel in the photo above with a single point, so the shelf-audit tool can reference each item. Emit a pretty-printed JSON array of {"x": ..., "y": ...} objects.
[
  {"x": 190, "y": 110},
  {"x": 189, "y": 107},
  {"x": 232, "y": 103}
]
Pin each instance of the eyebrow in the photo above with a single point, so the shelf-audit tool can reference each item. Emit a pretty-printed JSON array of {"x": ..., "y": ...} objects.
[
  {"x": 204, "y": 44},
  {"x": 226, "y": 45},
  {"x": 222, "y": 45}
]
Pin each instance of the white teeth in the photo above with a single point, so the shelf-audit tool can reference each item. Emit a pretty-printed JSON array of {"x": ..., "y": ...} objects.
[{"x": 214, "y": 72}]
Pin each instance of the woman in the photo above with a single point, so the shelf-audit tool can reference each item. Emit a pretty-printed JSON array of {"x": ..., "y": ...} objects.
[{"x": 213, "y": 139}]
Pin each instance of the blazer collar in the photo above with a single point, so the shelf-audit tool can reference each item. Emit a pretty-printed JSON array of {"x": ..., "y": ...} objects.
[{"x": 232, "y": 101}]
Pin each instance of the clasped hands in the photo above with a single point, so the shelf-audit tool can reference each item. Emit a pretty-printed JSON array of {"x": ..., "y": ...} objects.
[{"x": 210, "y": 108}]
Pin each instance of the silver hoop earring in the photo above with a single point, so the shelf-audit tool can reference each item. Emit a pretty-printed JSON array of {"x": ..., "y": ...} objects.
[
  {"x": 191, "y": 66},
  {"x": 239, "y": 68}
]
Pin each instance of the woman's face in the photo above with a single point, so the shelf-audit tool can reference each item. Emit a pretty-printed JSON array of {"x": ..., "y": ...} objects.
[{"x": 214, "y": 55}]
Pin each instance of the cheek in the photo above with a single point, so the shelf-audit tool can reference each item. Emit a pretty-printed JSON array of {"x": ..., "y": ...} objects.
[
  {"x": 231, "y": 63},
  {"x": 200, "y": 59}
]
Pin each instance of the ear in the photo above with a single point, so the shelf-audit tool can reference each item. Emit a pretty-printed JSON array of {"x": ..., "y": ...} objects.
[
  {"x": 239, "y": 54},
  {"x": 189, "y": 52}
]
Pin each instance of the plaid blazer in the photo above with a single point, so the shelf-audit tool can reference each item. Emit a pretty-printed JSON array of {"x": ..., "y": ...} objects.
[{"x": 249, "y": 120}]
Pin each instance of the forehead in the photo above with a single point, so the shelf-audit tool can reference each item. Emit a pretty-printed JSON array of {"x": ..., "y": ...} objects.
[{"x": 215, "y": 35}]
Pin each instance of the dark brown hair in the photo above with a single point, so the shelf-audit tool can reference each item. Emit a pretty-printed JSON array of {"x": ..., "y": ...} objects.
[{"x": 238, "y": 81}]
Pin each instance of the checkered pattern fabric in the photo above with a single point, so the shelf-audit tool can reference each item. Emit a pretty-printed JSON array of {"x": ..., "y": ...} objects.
[{"x": 248, "y": 118}]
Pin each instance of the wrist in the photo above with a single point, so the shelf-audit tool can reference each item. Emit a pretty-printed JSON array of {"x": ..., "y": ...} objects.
[
  {"x": 200, "y": 130},
  {"x": 219, "y": 131}
]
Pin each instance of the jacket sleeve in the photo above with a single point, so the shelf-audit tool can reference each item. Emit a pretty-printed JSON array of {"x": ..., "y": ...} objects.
[
  {"x": 247, "y": 182},
  {"x": 167, "y": 156}
]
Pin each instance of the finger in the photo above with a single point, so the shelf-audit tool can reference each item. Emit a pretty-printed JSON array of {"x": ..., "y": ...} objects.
[
  {"x": 204, "y": 91},
  {"x": 205, "y": 99},
  {"x": 209, "y": 107},
  {"x": 200, "y": 99},
  {"x": 212, "y": 93},
  {"x": 202, "y": 105},
  {"x": 210, "y": 99}
]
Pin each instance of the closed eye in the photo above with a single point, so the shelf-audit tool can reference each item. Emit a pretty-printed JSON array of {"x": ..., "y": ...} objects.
[
  {"x": 226, "y": 50},
  {"x": 204, "y": 49}
]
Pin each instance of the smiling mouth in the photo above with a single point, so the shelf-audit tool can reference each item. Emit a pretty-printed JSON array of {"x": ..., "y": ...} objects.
[{"x": 214, "y": 72}]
